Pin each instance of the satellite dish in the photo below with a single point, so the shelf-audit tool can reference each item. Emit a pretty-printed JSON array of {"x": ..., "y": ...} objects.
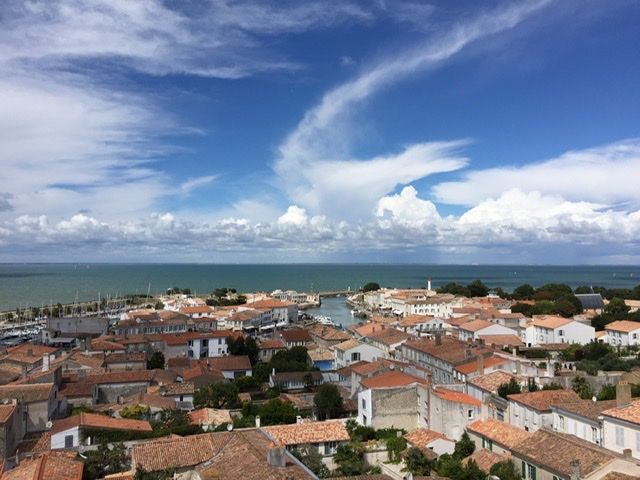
[
  {"x": 229, "y": 427},
  {"x": 49, "y": 424}
]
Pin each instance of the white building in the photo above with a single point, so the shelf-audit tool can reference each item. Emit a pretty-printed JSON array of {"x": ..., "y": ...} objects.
[
  {"x": 531, "y": 411},
  {"x": 621, "y": 424},
  {"x": 352, "y": 351},
  {"x": 451, "y": 411},
  {"x": 622, "y": 333},
  {"x": 474, "y": 329},
  {"x": 545, "y": 329},
  {"x": 581, "y": 419}
]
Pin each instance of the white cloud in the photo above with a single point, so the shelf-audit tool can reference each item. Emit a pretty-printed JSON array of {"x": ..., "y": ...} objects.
[
  {"x": 607, "y": 174},
  {"x": 319, "y": 147},
  {"x": 192, "y": 184},
  {"x": 407, "y": 209},
  {"x": 294, "y": 216}
]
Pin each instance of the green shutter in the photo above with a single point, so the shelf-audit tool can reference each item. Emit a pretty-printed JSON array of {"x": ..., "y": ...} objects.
[
  {"x": 533, "y": 473},
  {"x": 524, "y": 471}
]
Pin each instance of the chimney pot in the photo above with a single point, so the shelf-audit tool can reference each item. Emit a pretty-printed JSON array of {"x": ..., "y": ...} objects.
[{"x": 623, "y": 393}]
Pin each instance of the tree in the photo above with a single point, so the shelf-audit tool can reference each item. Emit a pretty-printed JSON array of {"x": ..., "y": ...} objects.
[
  {"x": 312, "y": 459},
  {"x": 277, "y": 412},
  {"x": 417, "y": 462},
  {"x": 371, "y": 287},
  {"x": 552, "y": 292},
  {"x": 328, "y": 401},
  {"x": 567, "y": 306},
  {"x": 105, "y": 460},
  {"x": 523, "y": 292},
  {"x": 582, "y": 387},
  {"x": 477, "y": 289},
  {"x": 135, "y": 412},
  {"x": 617, "y": 308},
  {"x": 505, "y": 470},
  {"x": 350, "y": 459},
  {"x": 142, "y": 474},
  {"x": 471, "y": 471},
  {"x": 552, "y": 386},
  {"x": 395, "y": 447},
  {"x": 607, "y": 392},
  {"x": 449, "y": 466},
  {"x": 218, "y": 395},
  {"x": 455, "y": 289},
  {"x": 532, "y": 386},
  {"x": 510, "y": 388},
  {"x": 156, "y": 361},
  {"x": 464, "y": 447}
]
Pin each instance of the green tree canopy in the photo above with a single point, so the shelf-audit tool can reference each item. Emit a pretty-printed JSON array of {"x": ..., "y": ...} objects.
[
  {"x": 523, "y": 292},
  {"x": 105, "y": 460},
  {"x": 277, "y": 412},
  {"x": 350, "y": 459},
  {"x": 371, "y": 287},
  {"x": 477, "y": 289},
  {"x": 217, "y": 395},
  {"x": 417, "y": 462},
  {"x": 505, "y": 470},
  {"x": 464, "y": 447},
  {"x": 328, "y": 401},
  {"x": 510, "y": 388},
  {"x": 156, "y": 361}
]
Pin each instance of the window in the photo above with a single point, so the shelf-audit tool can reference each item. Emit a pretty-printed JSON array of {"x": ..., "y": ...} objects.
[
  {"x": 561, "y": 333},
  {"x": 531, "y": 472},
  {"x": 355, "y": 357},
  {"x": 68, "y": 441},
  {"x": 364, "y": 404},
  {"x": 638, "y": 441},
  {"x": 488, "y": 444},
  {"x": 619, "y": 437},
  {"x": 561, "y": 423},
  {"x": 594, "y": 435},
  {"x": 330, "y": 447},
  {"x": 470, "y": 414}
]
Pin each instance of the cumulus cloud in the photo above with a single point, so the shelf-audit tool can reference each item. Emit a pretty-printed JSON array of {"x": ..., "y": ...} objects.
[
  {"x": 604, "y": 174},
  {"x": 407, "y": 209},
  {"x": 319, "y": 147}
]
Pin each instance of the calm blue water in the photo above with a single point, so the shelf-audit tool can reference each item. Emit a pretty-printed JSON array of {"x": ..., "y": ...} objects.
[{"x": 40, "y": 284}]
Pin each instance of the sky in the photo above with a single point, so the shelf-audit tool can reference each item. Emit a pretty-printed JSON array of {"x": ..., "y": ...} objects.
[{"x": 335, "y": 131}]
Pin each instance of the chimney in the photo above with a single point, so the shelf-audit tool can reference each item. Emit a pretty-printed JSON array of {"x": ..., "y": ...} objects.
[
  {"x": 257, "y": 421},
  {"x": 467, "y": 352},
  {"x": 623, "y": 393},
  {"x": 576, "y": 473},
  {"x": 45, "y": 362},
  {"x": 438, "y": 337},
  {"x": 626, "y": 453},
  {"x": 24, "y": 372},
  {"x": 514, "y": 351},
  {"x": 276, "y": 457},
  {"x": 480, "y": 365},
  {"x": 298, "y": 419}
]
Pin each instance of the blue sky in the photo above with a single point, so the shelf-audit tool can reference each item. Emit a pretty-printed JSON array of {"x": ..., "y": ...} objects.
[{"x": 221, "y": 131}]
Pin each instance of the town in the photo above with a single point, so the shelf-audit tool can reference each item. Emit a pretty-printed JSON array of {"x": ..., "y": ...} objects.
[{"x": 462, "y": 382}]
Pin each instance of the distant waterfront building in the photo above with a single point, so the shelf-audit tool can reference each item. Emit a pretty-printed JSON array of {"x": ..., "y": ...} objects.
[{"x": 295, "y": 297}]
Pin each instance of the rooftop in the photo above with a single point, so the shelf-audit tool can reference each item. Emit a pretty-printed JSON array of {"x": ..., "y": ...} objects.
[
  {"x": 237, "y": 454},
  {"x": 485, "y": 459},
  {"x": 456, "y": 397},
  {"x": 499, "y": 432},
  {"x": 550, "y": 321},
  {"x": 308, "y": 432},
  {"x": 348, "y": 345},
  {"x": 93, "y": 420},
  {"x": 491, "y": 381},
  {"x": 330, "y": 334},
  {"x": 231, "y": 362},
  {"x": 390, "y": 379},
  {"x": 474, "y": 365},
  {"x": 388, "y": 336},
  {"x": 475, "y": 325},
  {"x": 625, "y": 326},
  {"x": 450, "y": 350},
  {"x": 295, "y": 335},
  {"x": 36, "y": 392},
  {"x": 502, "y": 340},
  {"x": 422, "y": 437},
  {"x": 58, "y": 465},
  {"x": 542, "y": 400},
  {"x": 629, "y": 413},
  {"x": 555, "y": 452},
  {"x": 586, "y": 408},
  {"x": 320, "y": 355}
]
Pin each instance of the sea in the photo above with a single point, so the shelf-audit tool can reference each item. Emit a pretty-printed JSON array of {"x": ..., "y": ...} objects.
[{"x": 28, "y": 285}]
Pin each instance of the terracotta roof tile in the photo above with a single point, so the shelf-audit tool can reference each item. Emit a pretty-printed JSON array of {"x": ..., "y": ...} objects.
[
  {"x": 209, "y": 416},
  {"x": 6, "y": 411},
  {"x": 308, "y": 432},
  {"x": 51, "y": 465},
  {"x": 456, "y": 397},
  {"x": 543, "y": 400},
  {"x": 328, "y": 334},
  {"x": 625, "y": 326},
  {"x": 630, "y": 413},
  {"x": 36, "y": 392},
  {"x": 470, "y": 367},
  {"x": 485, "y": 459},
  {"x": 475, "y": 325},
  {"x": 389, "y": 336},
  {"x": 390, "y": 379},
  {"x": 499, "y": 432},
  {"x": 491, "y": 381},
  {"x": 422, "y": 437},
  {"x": 93, "y": 420},
  {"x": 271, "y": 344},
  {"x": 502, "y": 340},
  {"x": 321, "y": 355},
  {"x": 348, "y": 345},
  {"x": 550, "y": 321},
  {"x": 555, "y": 451},
  {"x": 586, "y": 408},
  {"x": 231, "y": 362},
  {"x": 295, "y": 335}
]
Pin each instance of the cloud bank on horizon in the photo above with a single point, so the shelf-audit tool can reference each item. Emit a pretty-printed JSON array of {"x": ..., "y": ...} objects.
[{"x": 105, "y": 154}]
